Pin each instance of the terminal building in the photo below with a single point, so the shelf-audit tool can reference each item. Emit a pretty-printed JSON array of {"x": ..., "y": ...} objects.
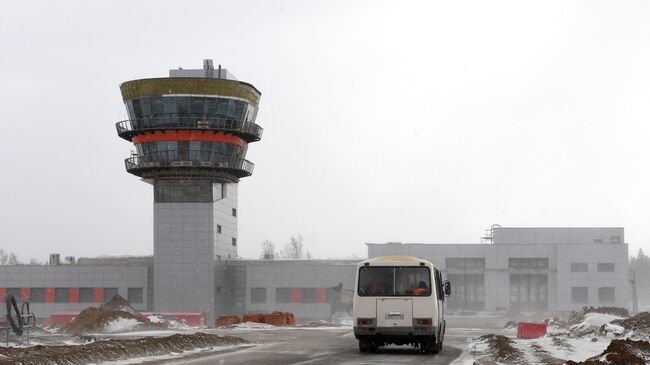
[{"x": 191, "y": 131}]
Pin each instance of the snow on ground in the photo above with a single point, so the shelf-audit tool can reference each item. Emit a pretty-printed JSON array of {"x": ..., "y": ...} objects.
[
  {"x": 577, "y": 343},
  {"x": 171, "y": 322},
  {"x": 593, "y": 321},
  {"x": 121, "y": 325}
]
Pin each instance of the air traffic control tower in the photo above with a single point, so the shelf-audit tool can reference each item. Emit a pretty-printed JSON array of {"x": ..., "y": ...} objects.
[{"x": 191, "y": 131}]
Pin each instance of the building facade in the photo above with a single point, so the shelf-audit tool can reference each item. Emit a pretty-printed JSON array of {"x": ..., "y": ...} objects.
[{"x": 530, "y": 269}]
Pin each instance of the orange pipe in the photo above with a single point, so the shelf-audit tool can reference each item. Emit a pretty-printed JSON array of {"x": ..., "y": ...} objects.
[{"x": 188, "y": 135}]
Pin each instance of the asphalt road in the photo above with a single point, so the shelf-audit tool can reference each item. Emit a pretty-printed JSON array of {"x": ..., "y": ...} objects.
[{"x": 326, "y": 346}]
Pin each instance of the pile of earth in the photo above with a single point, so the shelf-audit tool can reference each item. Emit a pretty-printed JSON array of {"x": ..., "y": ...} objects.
[
  {"x": 629, "y": 352},
  {"x": 578, "y": 317},
  {"x": 499, "y": 349},
  {"x": 93, "y": 320},
  {"x": 639, "y": 325},
  {"x": 114, "y": 350},
  {"x": 117, "y": 303}
]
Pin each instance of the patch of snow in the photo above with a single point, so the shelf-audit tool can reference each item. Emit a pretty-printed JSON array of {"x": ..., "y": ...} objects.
[
  {"x": 121, "y": 325},
  {"x": 254, "y": 325},
  {"x": 614, "y": 328},
  {"x": 594, "y": 320}
]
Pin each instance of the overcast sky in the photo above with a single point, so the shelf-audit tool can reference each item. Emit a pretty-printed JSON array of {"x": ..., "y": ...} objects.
[{"x": 384, "y": 120}]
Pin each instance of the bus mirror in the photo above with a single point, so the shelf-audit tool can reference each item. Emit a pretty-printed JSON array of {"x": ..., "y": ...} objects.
[{"x": 446, "y": 287}]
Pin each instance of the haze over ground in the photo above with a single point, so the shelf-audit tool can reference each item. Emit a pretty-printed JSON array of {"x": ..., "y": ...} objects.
[{"x": 384, "y": 121}]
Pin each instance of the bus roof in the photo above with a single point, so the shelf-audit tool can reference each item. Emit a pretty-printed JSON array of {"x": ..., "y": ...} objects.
[{"x": 408, "y": 260}]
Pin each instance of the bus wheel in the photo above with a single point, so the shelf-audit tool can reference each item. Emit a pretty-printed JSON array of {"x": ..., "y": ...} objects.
[
  {"x": 435, "y": 346},
  {"x": 364, "y": 346}
]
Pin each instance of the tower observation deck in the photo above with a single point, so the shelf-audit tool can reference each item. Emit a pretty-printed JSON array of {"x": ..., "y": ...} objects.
[
  {"x": 191, "y": 131},
  {"x": 193, "y": 124}
]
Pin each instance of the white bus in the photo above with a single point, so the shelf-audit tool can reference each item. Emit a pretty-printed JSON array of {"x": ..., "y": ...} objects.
[{"x": 399, "y": 300}]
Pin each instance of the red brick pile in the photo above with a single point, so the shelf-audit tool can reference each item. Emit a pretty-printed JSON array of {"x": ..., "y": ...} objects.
[{"x": 275, "y": 318}]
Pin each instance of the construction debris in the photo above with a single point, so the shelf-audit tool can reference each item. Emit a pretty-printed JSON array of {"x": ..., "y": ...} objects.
[
  {"x": 628, "y": 352},
  {"x": 113, "y": 350}
]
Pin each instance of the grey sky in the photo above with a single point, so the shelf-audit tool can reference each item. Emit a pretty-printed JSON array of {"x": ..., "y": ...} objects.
[{"x": 384, "y": 121}]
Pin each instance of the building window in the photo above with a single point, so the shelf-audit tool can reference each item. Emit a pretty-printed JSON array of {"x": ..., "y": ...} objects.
[
  {"x": 219, "y": 228},
  {"x": 616, "y": 239},
  {"x": 308, "y": 295},
  {"x": 109, "y": 293},
  {"x": 283, "y": 295},
  {"x": 465, "y": 263},
  {"x": 258, "y": 295},
  {"x": 605, "y": 267},
  {"x": 579, "y": 294},
  {"x": 234, "y": 241},
  {"x": 579, "y": 267},
  {"x": 234, "y": 212},
  {"x": 15, "y": 292},
  {"x": 37, "y": 295},
  {"x": 607, "y": 295},
  {"x": 61, "y": 295},
  {"x": 528, "y": 263},
  {"x": 598, "y": 240},
  {"x": 135, "y": 295},
  {"x": 86, "y": 295}
]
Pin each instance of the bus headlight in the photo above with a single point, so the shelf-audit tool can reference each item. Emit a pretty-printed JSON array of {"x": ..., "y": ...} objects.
[{"x": 423, "y": 321}]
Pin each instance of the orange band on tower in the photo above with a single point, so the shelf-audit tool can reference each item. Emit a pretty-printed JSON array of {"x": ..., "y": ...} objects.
[{"x": 188, "y": 135}]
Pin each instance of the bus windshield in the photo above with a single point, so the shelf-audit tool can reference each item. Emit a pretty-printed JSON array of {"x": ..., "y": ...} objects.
[{"x": 385, "y": 281}]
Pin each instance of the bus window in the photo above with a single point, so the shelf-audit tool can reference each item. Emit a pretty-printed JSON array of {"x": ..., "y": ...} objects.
[{"x": 380, "y": 281}]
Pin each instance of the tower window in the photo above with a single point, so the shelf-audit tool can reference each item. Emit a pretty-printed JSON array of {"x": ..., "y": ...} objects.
[
  {"x": 219, "y": 228},
  {"x": 234, "y": 241},
  {"x": 234, "y": 212}
]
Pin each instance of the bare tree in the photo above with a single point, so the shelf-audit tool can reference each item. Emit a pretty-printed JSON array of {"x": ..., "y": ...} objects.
[
  {"x": 268, "y": 250},
  {"x": 8, "y": 258},
  {"x": 294, "y": 249},
  {"x": 34, "y": 261}
]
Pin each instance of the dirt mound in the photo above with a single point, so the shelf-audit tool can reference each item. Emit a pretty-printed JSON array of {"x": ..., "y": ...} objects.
[
  {"x": 113, "y": 350},
  {"x": 629, "y": 352},
  {"x": 499, "y": 349},
  {"x": 117, "y": 303},
  {"x": 639, "y": 324},
  {"x": 577, "y": 317},
  {"x": 96, "y": 319}
]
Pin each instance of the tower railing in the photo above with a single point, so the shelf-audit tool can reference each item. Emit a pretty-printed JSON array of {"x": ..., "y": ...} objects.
[
  {"x": 194, "y": 159},
  {"x": 126, "y": 129}
]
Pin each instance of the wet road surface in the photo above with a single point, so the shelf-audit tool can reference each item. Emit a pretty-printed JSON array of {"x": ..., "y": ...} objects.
[{"x": 327, "y": 346}]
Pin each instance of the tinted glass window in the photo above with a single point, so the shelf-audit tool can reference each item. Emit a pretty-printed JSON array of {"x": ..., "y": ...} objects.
[
  {"x": 258, "y": 295},
  {"x": 579, "y": 294},
  {"x": 109, "y": 293},
  {"x": 38, "y": 295},
  {"x": 283, "y": 295},
  {"x": 308, "y": 295},
  {"x": 606, "y": 295},
  {"x": 528, "y": 263},
  {"x": 606, "y": 266},
  {"x": 61, "y": 295},
  {"x": 135, "y": 295},
  {"x": 86, "y": 295},
  {"x": 579, "y": 267},
  {"x": 394, "y": 281}
]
